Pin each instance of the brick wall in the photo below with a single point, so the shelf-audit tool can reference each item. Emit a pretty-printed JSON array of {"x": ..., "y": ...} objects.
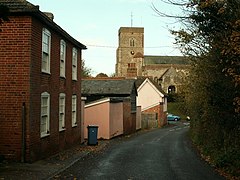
[
  {"x": 161, "y": 116},
  {"x": 22, "y": 82},
  {"x": 54, "y": 85},
  {"x": 14, "y": 83}
]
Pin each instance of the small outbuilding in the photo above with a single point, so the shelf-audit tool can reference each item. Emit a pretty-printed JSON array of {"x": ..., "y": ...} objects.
[{"x": 111, "y": 105}]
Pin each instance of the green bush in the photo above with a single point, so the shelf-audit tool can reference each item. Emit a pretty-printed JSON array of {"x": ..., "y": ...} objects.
[
  {"x": 177, "y": 108},
  {"x": 229, "y": 161}
]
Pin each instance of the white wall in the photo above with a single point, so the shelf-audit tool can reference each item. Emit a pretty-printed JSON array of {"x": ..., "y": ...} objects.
[{"x": 148, "y": 96}]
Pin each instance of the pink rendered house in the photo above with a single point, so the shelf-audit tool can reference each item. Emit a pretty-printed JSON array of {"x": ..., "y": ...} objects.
[
  {"x": 111, "y": 105},
  {"x": 107, "y": 114}
]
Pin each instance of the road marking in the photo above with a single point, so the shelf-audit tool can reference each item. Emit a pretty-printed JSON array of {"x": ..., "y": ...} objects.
[
  {"x": 175, "y": 129},
  {"x": 179, "y": 128}
]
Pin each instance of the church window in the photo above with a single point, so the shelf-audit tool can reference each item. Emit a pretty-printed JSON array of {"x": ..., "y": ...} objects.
[
  {"x": 131, "y": 65},
  {"x": 132, "y": 42},
  {"x": 171, "y": 89}
]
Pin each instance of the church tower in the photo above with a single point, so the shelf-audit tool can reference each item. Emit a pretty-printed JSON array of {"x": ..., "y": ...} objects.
[{"x": 130, "y": 52}]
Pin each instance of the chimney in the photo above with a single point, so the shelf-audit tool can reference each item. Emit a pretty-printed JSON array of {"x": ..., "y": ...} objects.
[{"x": 49, "y": 15}]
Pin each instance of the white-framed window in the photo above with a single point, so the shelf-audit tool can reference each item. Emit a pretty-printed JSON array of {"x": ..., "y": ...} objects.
[
  {"x": 74, "y": 63},
  {"x": 62, "y": 58},
  {"x": 46, "y": 49},
  {"x": 62, "y": 97},
  {"x": 74, "y": 110},
  {"x": 45, "y": 114}
]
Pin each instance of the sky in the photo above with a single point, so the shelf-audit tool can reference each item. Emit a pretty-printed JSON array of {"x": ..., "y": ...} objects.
[{"x": 95, "y": 23}]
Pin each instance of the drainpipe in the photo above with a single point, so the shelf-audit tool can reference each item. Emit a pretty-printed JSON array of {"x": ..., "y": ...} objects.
[{"x": 23, "y": 132}]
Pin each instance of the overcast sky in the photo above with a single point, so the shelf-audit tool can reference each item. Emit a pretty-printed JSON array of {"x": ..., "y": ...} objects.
[{"x": 95, "y": 23}]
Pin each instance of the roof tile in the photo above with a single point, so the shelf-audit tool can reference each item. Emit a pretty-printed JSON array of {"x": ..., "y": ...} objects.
[{"x": 107, "y": 87}]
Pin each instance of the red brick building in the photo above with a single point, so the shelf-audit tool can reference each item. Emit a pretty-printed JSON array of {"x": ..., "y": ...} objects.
[{"x": 40, "y": 80}]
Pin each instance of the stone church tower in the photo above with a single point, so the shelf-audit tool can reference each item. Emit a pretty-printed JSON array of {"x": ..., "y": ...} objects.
[
  {"x": 130, "y": 52},
  {"x": 167, "y": 71}
]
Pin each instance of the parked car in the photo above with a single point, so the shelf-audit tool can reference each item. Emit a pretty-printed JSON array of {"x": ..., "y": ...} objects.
[{"x": 171, "y": 117}]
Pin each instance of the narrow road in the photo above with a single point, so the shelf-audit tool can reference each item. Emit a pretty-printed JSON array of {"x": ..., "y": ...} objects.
[{"x": 158, "y": 154}]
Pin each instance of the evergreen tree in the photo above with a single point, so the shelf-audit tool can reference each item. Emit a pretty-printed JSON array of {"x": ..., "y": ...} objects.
[{"x": 86, "y": 71}]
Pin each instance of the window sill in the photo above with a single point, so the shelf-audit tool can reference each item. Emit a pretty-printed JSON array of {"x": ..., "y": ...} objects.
[
  {"x": 43, "y": 135},
  {"x": 75, "y": 125},
  {"x": 45, "y": 72},
  {"x": 62, "y": 129}
]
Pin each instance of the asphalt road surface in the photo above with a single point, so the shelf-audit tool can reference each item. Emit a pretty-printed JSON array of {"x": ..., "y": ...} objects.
[{"x": 164, "y": 153}]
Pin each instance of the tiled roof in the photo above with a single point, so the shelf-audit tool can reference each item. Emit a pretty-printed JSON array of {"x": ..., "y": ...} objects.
[
  {"x": 138, "y": 55},
  {"x": 140, "y": 80},
  {"x": 165, "y": 60},
  {"x": 158, "y": 87},
  {"x": 19, "y": 7},
  {"x": 108, "y": 87}
]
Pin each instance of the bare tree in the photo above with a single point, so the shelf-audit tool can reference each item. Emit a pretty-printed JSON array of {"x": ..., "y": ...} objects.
[{"x": 210, "y": 37}]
